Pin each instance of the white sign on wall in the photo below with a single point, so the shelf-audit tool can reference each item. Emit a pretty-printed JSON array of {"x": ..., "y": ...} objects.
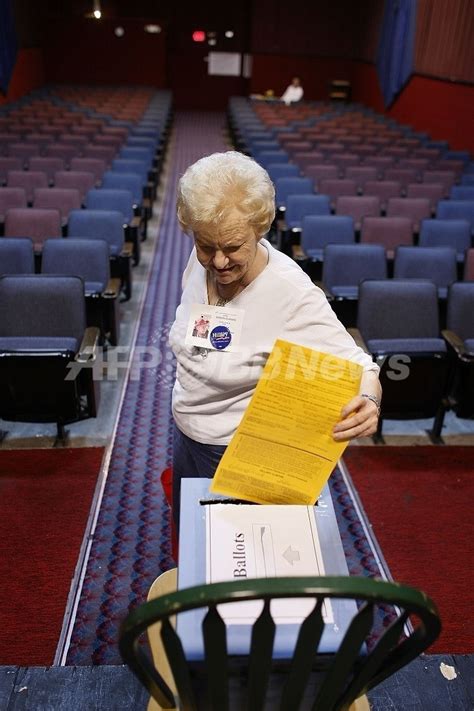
[{"x": 224, "y": 64}]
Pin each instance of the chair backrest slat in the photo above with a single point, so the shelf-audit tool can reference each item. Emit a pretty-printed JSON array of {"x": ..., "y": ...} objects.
[
  {"x": 344, "y": 658},
  {"x": 260, "y": 659},
  {"x": 303, "y": 658},
  {"x": 178, "y": 664},
  {"x": 215, "y": 652}
]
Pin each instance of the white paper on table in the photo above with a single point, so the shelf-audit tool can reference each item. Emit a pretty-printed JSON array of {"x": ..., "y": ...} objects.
[{"x": 245, "y": 542}]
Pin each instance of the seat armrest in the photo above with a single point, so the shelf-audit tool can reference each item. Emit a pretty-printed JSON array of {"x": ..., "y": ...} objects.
[
  {"x": 87, "y": 351},
  {"x": 327, "y": 293},
  {"x": 135, "y": 222},
  {"x": 457, "y": 345},
  {"x": 112, "y": 290},
  {"x": 358, "y": 338},
  {"x": 127, "y": 250},
  {"x": 298, "y": 253}
]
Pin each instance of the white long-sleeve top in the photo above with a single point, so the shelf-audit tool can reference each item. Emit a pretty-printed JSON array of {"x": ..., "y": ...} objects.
[
  {"x": 292, "y": 93},
  {"x": 211, "y": 394}
]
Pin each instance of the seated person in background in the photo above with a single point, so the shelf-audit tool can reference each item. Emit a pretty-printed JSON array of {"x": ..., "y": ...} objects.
[
  {"x": 227, "y": 202},
  {"x": 293, "y": 92}
]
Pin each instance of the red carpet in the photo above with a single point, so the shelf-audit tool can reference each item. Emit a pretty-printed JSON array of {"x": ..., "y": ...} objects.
[
  {"x": 45, "y": 497},
  {"x": 419, "y": 501}
]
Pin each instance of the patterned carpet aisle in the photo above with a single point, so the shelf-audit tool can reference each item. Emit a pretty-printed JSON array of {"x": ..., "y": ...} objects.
[{"x": 131, "y": 542}]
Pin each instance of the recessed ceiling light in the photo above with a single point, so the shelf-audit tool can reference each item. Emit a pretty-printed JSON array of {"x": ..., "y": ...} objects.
[{"x": 229, "y": 34}]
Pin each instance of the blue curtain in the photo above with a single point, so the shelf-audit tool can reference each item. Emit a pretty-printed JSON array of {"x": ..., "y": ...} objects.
[
  {"x": 8, "y": 43},
  {"x": 396, "y": 47}
]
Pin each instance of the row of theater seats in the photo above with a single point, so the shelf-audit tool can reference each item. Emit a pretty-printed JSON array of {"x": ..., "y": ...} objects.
[
  {"x": 382, "y": 217},
  {"x": 59, "y": 298}
]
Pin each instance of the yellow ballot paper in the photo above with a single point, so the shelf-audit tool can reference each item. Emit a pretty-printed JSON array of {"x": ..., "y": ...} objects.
[{"x": 283, "y": 450}]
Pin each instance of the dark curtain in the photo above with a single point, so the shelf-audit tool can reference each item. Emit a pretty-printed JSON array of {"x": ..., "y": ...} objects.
[
  {"x": 8, "y": 43},
  {"x": 445, "y": 39},
  {"x": 396, "y": 47}
]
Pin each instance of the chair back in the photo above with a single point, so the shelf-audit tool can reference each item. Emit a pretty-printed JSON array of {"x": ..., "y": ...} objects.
[
  {"x": 16, "y": 256},
  {"x": 460, "y": 314},
  {"x": 349, "y": 264},
  {"x": 332, "y": 682},
  {"x": 85, "y": 258}
]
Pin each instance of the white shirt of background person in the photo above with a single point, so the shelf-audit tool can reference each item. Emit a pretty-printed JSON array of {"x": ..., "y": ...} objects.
[{"x": 294, "y": 92}]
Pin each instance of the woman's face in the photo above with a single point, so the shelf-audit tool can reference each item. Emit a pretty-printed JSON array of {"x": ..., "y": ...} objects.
[{"x": 227, "y": 251}]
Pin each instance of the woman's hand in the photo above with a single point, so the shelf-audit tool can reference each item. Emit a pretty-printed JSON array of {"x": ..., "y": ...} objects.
[{"x": 359, "y": 418}]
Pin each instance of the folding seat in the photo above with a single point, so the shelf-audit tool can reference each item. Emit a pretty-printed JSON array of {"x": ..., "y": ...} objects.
[
  {"x": 257, "y": 147},
  {"x": 6, "y": 165},
  {"x": 104, "y": 153},
  {"x": 345, "y": 266},
  {"x": 416, "y": 209},
  {"x": 282, "y": 170},
  {"x": 344, "y": 161},
  {"x": 403, "y": 175},
  {"x": 317, "y": 231},
  {"x": 384, "y": 190},
  {"x": 10, "y": 198},
  {"x": 44, "y": 350},
  {"x": 455, "y": 166},
  {"x": 446, "y": 233},
  {"x": 437, "y": 264},
  {"x": 297, "y": 147},
  {"x": 27, "y": 179},
  {"x": 417, "y": 164},
  {"x": 358, "y": 207},
  {"x": 50, "y": 166},
  {"x": 62, "y": 199},
  {"x": 456, "y": 210},
  {"x": 65, "y": 151},
  {"x": 32, "y": 222},
  {"x": 462, "y": 192},
  {"x": 467, "y": 179},
  {"x": 459, "y": 336},
  {"x": 469, "y": 265},
  {"x": 361, "y": 174},
  {"x": 391, "y": 232},
  {"x": 291, "y": 186},
  {"x": 335, "y": 188},
  {"x": 397, "y": 152},
  {"x": 16, "y": 256},
  {"x": 145, "y": 155},
  {"x": 304, "y": 158},
  {"x": 432, "y": 154},
  {"x": 398, "y": 324},
  {"x": 433, "y": 191},
  {"x": 267, "y": 157},
  {"x": 88, "y": 259},
  {"x": 38, "y": 140},
  {"x": 140, "y": 168},
  {"x": 106, "y": 225},
  {"x": 463, "y": 156},
  {"x": 96, "y": 166},
  {"x": 382, "y": 163},
  {"x": 321, "y": 171},
  {"x": 76, "y": 179},
  {"x": 23, "y": 151},
  {"x": 121, "y": 200},
  {"x": 77, "y": 142},
  {"x": 446, "y": 178},
  {"x": 142, "y": 206}
]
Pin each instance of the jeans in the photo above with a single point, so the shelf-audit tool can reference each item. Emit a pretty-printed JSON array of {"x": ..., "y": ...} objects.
[{"x": 191, "y": 459}]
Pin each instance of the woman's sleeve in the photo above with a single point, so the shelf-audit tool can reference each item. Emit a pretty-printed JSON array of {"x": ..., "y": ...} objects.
[
  {"x": 188, "y": 268},
  {"x": 313, "y": 323}
]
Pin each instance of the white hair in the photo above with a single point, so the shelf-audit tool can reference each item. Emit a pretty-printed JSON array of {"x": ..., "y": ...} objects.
[{"x": 217, "y": 184}]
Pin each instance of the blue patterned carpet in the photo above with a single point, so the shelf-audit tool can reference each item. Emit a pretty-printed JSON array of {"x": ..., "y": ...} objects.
[{"x": 131, "y": 545}]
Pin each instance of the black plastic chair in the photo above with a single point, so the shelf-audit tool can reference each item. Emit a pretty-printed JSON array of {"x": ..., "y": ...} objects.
[
  {"x": 222, "y": 681},
  {"x": 44, "y": 344},
  {"x": 459, "y": 336},
  {"x": 88, "y": 259},
  {"x": 398, "y": 324}
]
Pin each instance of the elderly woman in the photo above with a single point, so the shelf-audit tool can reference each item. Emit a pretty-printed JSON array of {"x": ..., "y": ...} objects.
[{"x": 226, "y": 201}]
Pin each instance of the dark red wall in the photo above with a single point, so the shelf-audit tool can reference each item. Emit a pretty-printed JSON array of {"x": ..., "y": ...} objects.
[
  {"x": 87, "y": 51},
  {"x": 27, "y": 75},
  {"x": 444, "y": 109}
]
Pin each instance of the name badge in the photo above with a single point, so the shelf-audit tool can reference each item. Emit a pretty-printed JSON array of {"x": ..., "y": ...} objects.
[{"x": 216, "y": 328}]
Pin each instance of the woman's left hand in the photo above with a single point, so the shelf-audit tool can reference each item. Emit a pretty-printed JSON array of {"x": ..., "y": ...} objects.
[{"x": 359, "y": 418}]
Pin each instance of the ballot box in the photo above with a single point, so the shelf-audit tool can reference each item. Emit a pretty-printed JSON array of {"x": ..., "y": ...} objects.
[{"x": 221, "y": 540}]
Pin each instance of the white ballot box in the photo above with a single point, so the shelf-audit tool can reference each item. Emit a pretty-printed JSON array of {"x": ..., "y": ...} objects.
[{"x": 220, "y": 541}]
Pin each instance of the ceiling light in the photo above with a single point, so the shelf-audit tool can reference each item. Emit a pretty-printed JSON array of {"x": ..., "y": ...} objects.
[
  {"x": 229, "y": 34},
  {"x": 153, "y": 29}
]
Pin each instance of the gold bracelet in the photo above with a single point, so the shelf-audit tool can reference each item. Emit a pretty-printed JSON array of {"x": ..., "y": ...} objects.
[{"x": 375, "y": 400}]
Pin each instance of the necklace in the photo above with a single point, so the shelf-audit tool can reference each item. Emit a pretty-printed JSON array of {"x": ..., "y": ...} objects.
[{"x": 221, "y": 301}]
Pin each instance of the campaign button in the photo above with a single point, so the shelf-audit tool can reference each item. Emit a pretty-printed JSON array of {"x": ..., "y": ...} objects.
[{"x": 220, "y": 337}]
